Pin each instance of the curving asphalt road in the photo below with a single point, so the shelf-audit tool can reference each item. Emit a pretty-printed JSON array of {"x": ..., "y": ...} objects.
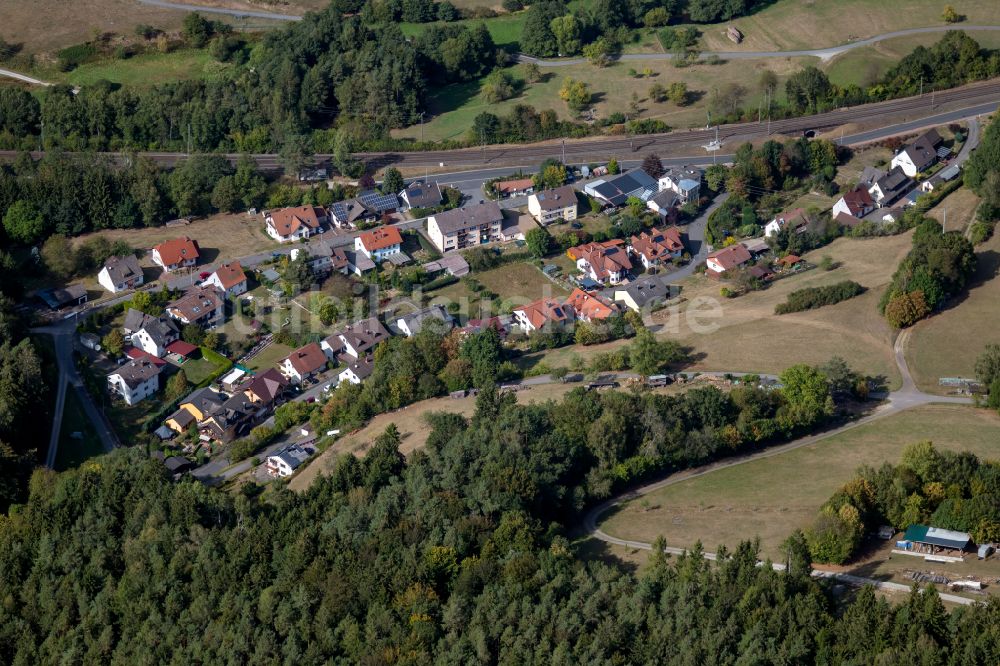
[
  {"x": 824, "y": 54},
  {"x": 906, "y": 397}
]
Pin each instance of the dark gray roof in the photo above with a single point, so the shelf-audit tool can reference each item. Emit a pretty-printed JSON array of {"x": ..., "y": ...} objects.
[
  {"x": 665, "y": 199},
  {"x": 617, "y": 189},
  {"x": 365, "y": 335},
  {"x": 205, "y": 400},
  {"x": 645, "y": 292},
  {"x": 894, "y": 183},
  {"x": 378, "y": 202},
  {"x": 136, "y": 372},
  {"x": 123, "y": 268},
  {"x": 134, "y": 319},
  {"x": 292, "y": 455},
  {"x": 423, "y": 195},
  {"x": 456, "y": 219},
  {"x": 556, "y": 199},
  {"x": 181, "y": 417},
  {"x": 362, "y": 367},
  {"x": 177, "y": 464},
  {"x": 415, "y": 321},
  {"x": 350, "y": 210}
]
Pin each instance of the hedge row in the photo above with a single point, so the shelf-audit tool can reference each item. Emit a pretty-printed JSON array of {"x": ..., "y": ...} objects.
[{"x": 816, "y": 297}]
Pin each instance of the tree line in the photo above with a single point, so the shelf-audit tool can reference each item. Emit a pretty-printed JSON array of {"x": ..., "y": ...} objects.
[
  {"x": 458, "y": 554},
  {"x": 954, "y": 491},
  {"x": 816, "y": 297}
]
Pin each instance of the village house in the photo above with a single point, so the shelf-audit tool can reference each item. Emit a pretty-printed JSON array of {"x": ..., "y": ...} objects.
[
  {"x": 266, "y": 389},
  {"x": 665, "y": 204},
  {"x": 646, "y": 293},
  {"x": 176, "y": 254},
  {"x": 150, "y": 334},
  {"x": 229, "y": 279},
  {"x": 303, "y": 363},
  {"x": 797, "y": 218},
  {"x": 919, "y": 155},
  {"x": 120, "y": 274},
  {"x": 943, "y": 176},
  {"x": 460, "y": 228},
  {"x": 856, "y": 202},
  {"x": 357, "y": 370},
  {"x": 890, "y": 188},
  {"x": 287, "y": 459},
  {"x": 615, "y": 191},
  {"x": 605, "y": 263},
  {"x": 548, "y": 206},
  {"x": 356, "y": 340},
  {"x": 379, "y": 244},
  {"x": 515, "y": 188},
  {"x": 287, "y": 225},
  {"x": 435, "y": 316},
  {"x": 590, "y": 306},
  {"x": 541, "y": 314},
  {"x": 204, "y": 306},
  {"x": 421, "y": 195},
  {"x": 135, "y": 380},
  {"x": 656, "y": 246},
  {"x": 683, "y": 181},
  {"x": 194, "y": 409},
  {"x": 727, "y": 259},
  {"x": 452, "y": 264},
  {"x": 348, "y": 214}
]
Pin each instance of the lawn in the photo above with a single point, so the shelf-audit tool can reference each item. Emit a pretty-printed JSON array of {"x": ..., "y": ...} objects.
[
  {"x": 220, "y": 237},
  {"x": 957, "y": 210},
  {"x": 198, "y": 369},
  {"x": 770, "y": 497},
  {"x": 518, "y": 283},
  {"x": 150, "y": 69},
  {"x": 72, "y": 452},
  {"x": 801, "y": 24},
  {"x": 947, "y": 344},
  {"x": 504, "y": 29},
  {"x": 269, "y": 358}
]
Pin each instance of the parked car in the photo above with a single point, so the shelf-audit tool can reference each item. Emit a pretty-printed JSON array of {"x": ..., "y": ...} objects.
[{"x": 203, "y": 275}]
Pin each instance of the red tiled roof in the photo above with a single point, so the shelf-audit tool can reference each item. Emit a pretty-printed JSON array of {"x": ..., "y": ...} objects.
[
  {"x": 230, "y": 275},
  {"x": 136, "y": 353},
  {"x": 181, "y": 348},
  {"x": 286, "y": 221},
  {"x": 790, "y": 259},
  {"x": 731, "y": 257},
  {"x": 381, "y": 238},
  {"x": 604, "y": 258},
  {"x": 176, "y": 250},
  {"x": 307, "y": 359},
  {"x": 858, "y": 200},
  {"x": 506, "y": 186},
  {"x": 656, "y": 244},
  {"x": 589, "y": 306},
  {"x": 543, "y": 311}
]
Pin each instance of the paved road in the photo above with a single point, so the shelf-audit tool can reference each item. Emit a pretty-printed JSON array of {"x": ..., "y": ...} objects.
[
  {"x": 240, "y": 13},
  {"x": 23, "y": 77},
  {"x": 907, "y": 397},
  {"x": 825, "y": 53},
  {"x": 63, "y": 334}
]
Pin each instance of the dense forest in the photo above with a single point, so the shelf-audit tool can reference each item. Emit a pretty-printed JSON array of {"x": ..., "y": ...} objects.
[
  {"x": 954, "y": 491},
  {"x": 459, "y": 554}
]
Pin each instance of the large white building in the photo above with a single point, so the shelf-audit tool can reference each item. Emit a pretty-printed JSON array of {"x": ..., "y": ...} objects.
[
  {"x": 120, "y": 274},
  {"x": 548, "y": 206},
  {"x": 460, "y": 228},
  {"x": 379, "y": 244},
  {"x": 136, "y": 380}
]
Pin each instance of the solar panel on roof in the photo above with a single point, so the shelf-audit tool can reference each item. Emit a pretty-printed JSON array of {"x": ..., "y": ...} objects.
[{"x": 379, "y": 202}]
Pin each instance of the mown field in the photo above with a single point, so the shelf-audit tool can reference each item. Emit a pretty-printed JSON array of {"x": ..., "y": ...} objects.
[
  {"x": 150, "y": 69},
  {"x": 770, "y": 497}
]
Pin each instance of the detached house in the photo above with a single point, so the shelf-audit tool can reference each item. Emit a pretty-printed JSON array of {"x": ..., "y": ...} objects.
[
  {"x": 287, "y": 225},
  {"x": 684, "y": 181},
  {"x": 727, "y": 259},
  {"x": 421, "y": 195},
  {"x": 856, "y": 203},
  {"x": 548, "y": 206},
  {"x": 357, "y": 340},
  {"x": 229, "y": 279},
  {"x": 607, "y": 262},
  {"x": 460, "y": 228},
  {"x": 434, "y": 316},
  {"x": 175, "y": 254},
  {"x": 286, "y": 460},
  {"x": 324, "y": 259},
  {"x": 647, "y": 293},
  {"x": 357, "y": 370},
  {"x": 266, "y": 388},
  {"x": 152, "y": 335},
  {"x": 891, "y": 187},
  {"x": 379, "y": 244},
  {"x": 615, "y": 191},
  {"x": 544, "y": 312},
  {"x": 656, "y": 246},
  {"x": 135, "y": 381},
  {"x": 120, "y": 274},
  {"x": 919, "y": 155},
  {"x": 204, "y": 306},
  {"x": 303, "y": 363},
  {"x": 798, "y": 219},
  {"x": 590, "y": 306}
]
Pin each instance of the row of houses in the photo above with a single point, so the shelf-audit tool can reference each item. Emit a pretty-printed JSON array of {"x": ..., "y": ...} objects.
[
  {"x": 153, "y": 338},
  {"x": 879, "y": 191},
  {"x": 676, "y": 187},
  {"x": 613, "y": 262}
]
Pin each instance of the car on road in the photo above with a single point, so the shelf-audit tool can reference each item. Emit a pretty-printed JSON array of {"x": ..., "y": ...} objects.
[{"x": 311, "y": 399}]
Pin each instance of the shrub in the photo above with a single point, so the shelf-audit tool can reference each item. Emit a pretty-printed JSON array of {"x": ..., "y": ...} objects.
[
  {"x": 906, "y": 309},
  {"x": 72, "y": 57},
  {"x": 816, "y": 297}
]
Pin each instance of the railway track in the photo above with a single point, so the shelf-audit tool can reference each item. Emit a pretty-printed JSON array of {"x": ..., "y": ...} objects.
[{"x": 673, "y": 144}]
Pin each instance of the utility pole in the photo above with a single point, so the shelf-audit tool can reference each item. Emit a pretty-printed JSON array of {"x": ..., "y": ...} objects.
[
  {"x": 421, "y": 127},
  {"x": 921, "y": 86},
  {"x": 564, "y": 152}
]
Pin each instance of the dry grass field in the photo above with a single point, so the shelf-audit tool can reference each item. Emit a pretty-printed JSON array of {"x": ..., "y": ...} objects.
[
  {"x": 771, "y": 497},
  {"x": 957, "y": 210},
  {"x": 220, "y": 237},
  {"x": 947, "y": 344}
]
